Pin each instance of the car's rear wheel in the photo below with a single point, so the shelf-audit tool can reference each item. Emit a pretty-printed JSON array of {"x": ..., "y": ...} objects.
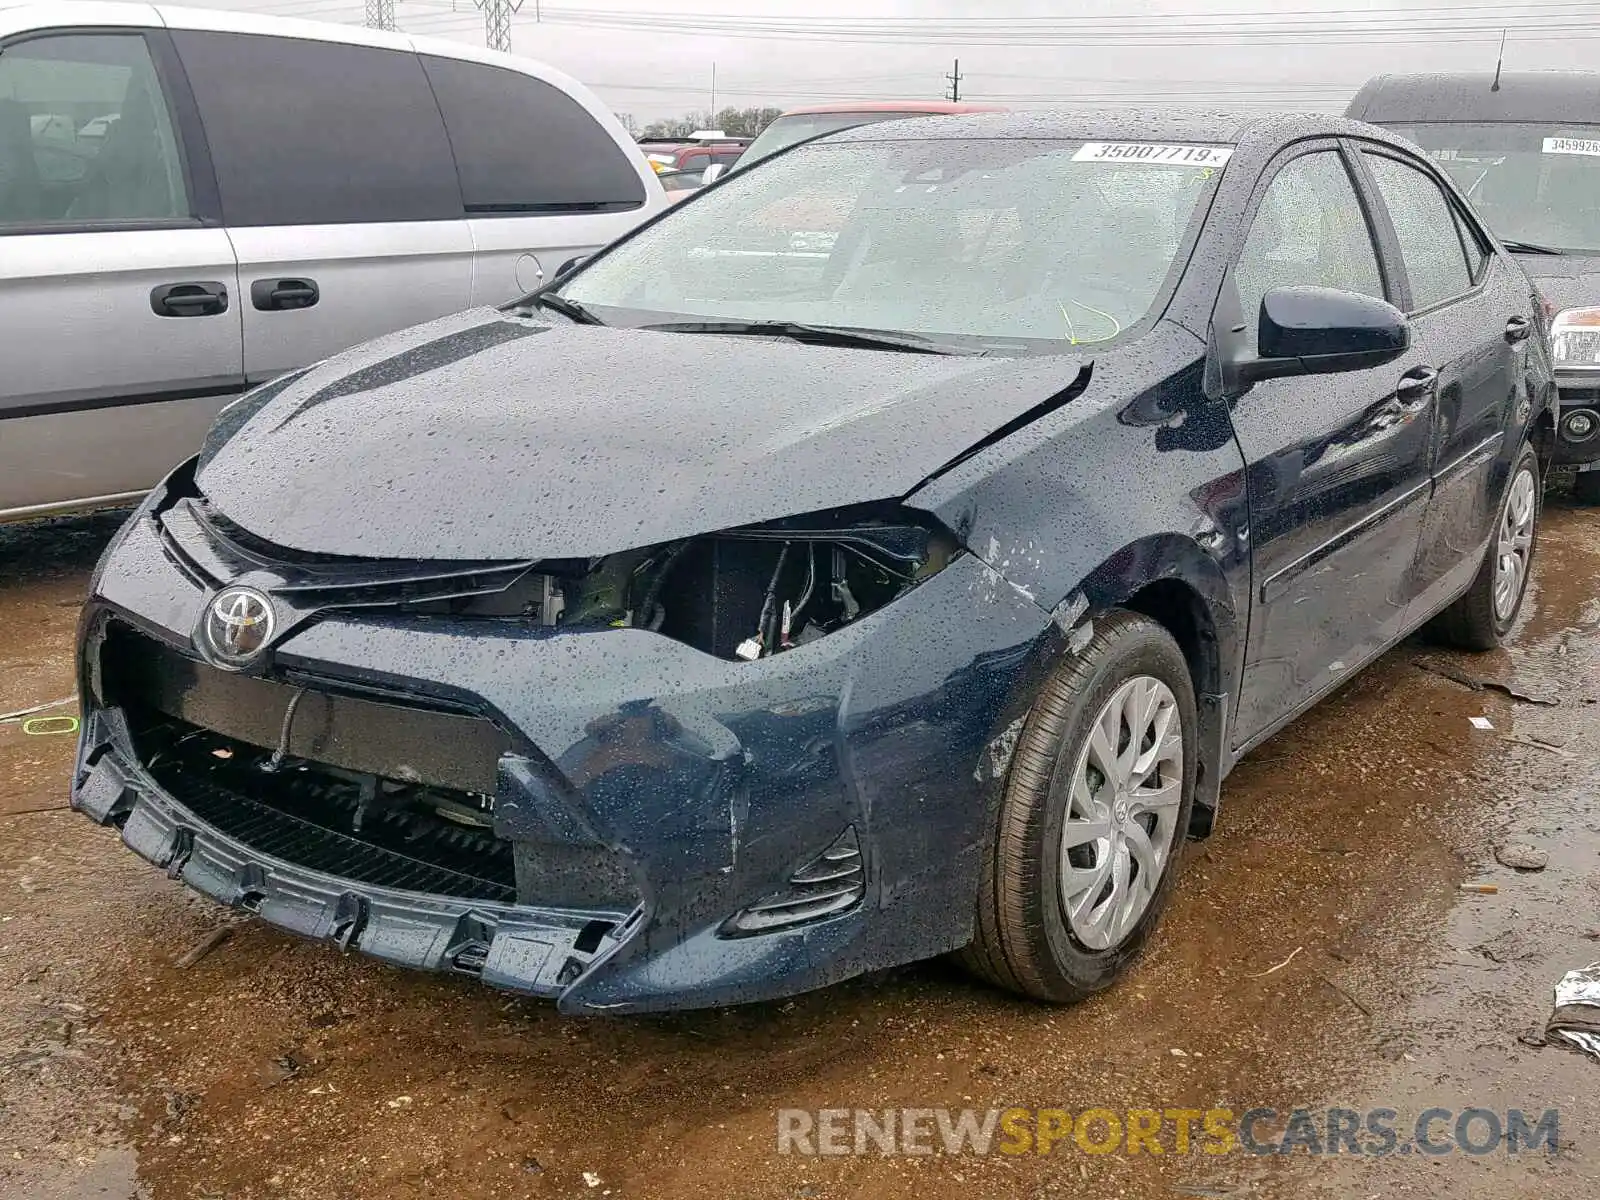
[
  {"x": 1485, "y": 613},
  {"x": 1093, "y": 816},
  {"x": 1586, "y": 487}
]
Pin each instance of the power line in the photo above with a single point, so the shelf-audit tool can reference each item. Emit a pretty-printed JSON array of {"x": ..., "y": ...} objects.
[{"x": 1544, "y": 20}]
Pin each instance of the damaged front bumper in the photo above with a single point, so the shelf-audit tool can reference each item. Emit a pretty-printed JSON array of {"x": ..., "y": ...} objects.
[
  {"x": 538, "y": 951},
  {"x": 657, "y": 828}
]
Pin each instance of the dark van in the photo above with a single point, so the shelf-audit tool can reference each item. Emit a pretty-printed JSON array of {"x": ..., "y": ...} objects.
[{"x": 1525, "y": 150}]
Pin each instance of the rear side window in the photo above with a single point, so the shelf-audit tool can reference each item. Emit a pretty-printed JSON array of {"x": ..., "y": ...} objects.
[
  {"x": 1426, "y": 227},
  {"x": 524, "y": 146},
  {"x": 85, "y": 134},
  {"x": 314, "y": 133}
]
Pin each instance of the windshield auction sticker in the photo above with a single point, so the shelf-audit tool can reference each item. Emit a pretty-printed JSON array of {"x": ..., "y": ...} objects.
[
  {"x": 1156, "y": 154},
  {"x": 1570, "y": 145}
]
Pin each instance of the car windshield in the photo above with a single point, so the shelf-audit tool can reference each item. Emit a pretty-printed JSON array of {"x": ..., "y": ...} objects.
[
  {"x": 984, "y": 244},
  {"x": 1534, "y": 183}
]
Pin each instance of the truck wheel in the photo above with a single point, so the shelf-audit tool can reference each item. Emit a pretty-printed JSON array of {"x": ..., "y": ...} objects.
[{"x": 1093, "y": 817}]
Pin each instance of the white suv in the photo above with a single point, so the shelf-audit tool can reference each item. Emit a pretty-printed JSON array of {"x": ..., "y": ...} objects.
[{"x": 211, "y": 199}]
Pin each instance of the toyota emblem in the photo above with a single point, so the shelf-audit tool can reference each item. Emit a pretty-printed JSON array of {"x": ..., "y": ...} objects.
[{"x": 237, "y": 627}]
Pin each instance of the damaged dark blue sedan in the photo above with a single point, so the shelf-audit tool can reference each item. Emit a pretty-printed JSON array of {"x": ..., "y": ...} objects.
[{"x": 886, "y": 553}]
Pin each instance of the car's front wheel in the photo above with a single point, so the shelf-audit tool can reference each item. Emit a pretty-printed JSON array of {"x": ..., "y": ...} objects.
[
  {"x": 1093, "y": 816},
  {"x": 1484, "y": 615}
]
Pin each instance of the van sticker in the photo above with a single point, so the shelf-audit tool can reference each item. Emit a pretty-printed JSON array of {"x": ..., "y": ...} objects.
[
  {"x": 1153, "y": 153},
  {"x": 1571, "y": 145}
]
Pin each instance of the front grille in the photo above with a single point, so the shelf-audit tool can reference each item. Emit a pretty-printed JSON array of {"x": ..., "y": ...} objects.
[
  {"x": 383, "y": 832},
  {"x": 378, "y": 791},
  {"x": 214, "y": 551}
]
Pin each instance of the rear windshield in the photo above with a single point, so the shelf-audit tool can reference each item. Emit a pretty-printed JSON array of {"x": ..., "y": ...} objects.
[
  {"x": 1039, "y": 244},
  {"x": 1535, "y": 182}
]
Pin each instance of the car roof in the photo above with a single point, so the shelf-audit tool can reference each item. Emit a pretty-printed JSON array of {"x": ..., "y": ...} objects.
[
  {"x": 1141, "y": 124},
  {"x": 905, "y": 106},
  {"x": 1472, "y": 96}
]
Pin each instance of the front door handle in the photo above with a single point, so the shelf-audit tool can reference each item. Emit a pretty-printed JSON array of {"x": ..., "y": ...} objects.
[
  {"x": 1517, "y": 329},
  {"x": 1416, "y": 388},
  {"x": 272, "y": 295},
  {"x": 199, "y": 299}
]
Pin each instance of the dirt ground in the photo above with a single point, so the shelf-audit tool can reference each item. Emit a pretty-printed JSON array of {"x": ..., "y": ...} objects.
[{"x": 1319, "y": 951}]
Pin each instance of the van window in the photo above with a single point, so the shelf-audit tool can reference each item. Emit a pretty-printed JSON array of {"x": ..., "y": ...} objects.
[
  {"x": 524, "y": 146},
  {"x": 85, "y": 134},
  {"x": 315, "y": 133}
]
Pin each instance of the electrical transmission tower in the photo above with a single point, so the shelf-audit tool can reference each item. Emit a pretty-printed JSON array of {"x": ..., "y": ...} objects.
[
  {"x": 380, "y": 14},
  {"x": 496, "y": 21}
]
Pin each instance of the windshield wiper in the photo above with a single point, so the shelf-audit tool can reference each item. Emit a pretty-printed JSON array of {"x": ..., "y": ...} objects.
[
  {"x": 821, "y": 335},
  {"x": 1517, "y": 247},
  {"x": 570, "y": 309}
]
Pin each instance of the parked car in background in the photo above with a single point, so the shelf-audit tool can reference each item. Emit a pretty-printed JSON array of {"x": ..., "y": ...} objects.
[
  {"x": 193, "y": 202},
  {"x": 798, "y": 124},
  {"x": 699, "y": 151},
  {"x": 917, "y": 598},
  {"x": 1525, "y": 150},
  {"x": 681, "y": 184}
]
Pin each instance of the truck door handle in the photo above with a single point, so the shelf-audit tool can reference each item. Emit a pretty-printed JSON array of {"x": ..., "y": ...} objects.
[
  {"x": 271, "y": 295},
  {"x": 1518, "y": 328},
  {"x": 1416, "y": 388},
  {"x": 198, "y": 299}
]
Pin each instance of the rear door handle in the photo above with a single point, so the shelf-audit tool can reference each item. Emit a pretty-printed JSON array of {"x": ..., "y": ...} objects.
[
  {"x": 197, "y": 299},
  {"x": 273, "y": 295},
  {"x": 1416, "y": 388},
  {"x": 1518, "y": 328}
]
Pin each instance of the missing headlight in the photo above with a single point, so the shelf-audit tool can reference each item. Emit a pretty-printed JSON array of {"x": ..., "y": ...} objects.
[
  {"x": 752, "y": 592},
  {"x": 741, "y": 593}
]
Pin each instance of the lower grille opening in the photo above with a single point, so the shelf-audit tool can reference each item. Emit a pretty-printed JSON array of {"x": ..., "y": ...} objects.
[{"x": 366, "y": 828}]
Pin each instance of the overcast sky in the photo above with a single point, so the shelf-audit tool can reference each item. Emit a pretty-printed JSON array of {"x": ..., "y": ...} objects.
[{"x": 1025, "y": 53}]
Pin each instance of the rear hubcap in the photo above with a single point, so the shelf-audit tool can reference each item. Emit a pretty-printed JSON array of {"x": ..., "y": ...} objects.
[
  {"x": 1514, "y": 545},
  {"x": 1122, "y": 812}
]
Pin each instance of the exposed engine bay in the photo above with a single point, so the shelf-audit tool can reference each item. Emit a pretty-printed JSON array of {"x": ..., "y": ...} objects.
[{"x": 745, "y": 593}]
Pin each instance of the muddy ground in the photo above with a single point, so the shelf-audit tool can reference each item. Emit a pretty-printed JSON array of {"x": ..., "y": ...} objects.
[{"x": 1320, "y": 950}]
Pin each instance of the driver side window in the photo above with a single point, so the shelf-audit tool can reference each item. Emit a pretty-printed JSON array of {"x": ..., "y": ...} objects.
[{"x": 1309, "y": 231}]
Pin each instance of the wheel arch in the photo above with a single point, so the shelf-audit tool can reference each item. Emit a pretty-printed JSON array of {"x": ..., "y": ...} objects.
[{"x": 1180, "y": 585}]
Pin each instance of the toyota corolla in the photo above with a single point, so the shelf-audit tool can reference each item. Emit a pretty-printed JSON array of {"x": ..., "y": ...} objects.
[{"x": 997, "y": 483}]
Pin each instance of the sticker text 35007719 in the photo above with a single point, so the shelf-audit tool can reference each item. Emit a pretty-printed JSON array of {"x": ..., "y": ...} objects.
[{"x": 1154, "y": 153}]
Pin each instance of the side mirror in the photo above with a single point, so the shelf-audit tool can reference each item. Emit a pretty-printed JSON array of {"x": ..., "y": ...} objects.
[
  {"x": 568, "y": 267},
  {"x": 712, "y": 173},
  {"x": 1318, "y": 331}
]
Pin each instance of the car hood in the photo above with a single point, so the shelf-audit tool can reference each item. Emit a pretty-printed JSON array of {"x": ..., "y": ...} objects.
[
  {"x": 1570, "y": 281},
  {"x": 487, "y": 436}
]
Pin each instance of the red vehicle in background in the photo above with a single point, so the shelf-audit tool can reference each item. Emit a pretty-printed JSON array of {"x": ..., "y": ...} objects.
[
  {"x": 798, "y": 124},
  {"x": 695, "y": 153}
]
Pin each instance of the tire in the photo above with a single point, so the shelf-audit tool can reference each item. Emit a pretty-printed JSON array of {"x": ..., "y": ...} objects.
[
  {"x": 1476, "y": 621},
  {"x": 1024, "y": 939},
  {"x": 1586, "y": 487}
]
